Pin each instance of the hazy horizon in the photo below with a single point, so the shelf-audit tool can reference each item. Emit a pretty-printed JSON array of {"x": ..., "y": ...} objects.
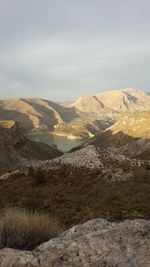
[{"x": 59, "y": 50}]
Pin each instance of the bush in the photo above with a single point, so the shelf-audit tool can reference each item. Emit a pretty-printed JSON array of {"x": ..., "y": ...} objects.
[
  {"x": 22, "y": 229},
  {"x": 39, "y": 177},
  {"x": 30, "y": 203},
  {"x": 147, "y": 167}
]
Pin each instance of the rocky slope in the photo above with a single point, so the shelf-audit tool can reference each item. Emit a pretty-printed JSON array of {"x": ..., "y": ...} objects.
[
  {"x": 17, "y": 151},
  {"x": 95, "y": 243},
  {"x": 118, "y": 101},
  {"x": 84, "y": 184},
  {"x": 129, "y": 136},
  {"x": 91, "y": 158}
]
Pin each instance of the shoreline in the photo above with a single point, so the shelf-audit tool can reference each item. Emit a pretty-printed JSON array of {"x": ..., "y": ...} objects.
[{"x": 69, "y": 136}]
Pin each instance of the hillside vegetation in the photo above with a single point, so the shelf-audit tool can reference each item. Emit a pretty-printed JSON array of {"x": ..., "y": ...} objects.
[{"x": 82, "y": 185}]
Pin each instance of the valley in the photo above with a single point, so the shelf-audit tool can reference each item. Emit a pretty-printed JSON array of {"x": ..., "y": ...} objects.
[
  {"x": 75, "y": 164},
  {"x": 80, "y": 120}
]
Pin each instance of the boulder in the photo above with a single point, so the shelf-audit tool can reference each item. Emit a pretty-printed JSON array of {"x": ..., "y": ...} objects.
[{"x": 97, "y": 243}]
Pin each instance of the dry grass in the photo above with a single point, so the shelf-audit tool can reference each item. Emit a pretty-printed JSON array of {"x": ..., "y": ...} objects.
[{"x": 22, "y": 229}]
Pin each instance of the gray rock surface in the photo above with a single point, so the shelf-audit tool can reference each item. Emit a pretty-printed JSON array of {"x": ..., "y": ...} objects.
[
  {"x": 16, "y": 258},
  {"x": 97, "y": 243}
]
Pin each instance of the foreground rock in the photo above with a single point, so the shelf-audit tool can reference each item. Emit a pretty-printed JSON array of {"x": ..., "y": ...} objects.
[{"x": 96, "y": 243}]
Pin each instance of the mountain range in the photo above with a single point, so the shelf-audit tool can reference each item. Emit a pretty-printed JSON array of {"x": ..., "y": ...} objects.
[
  {"x": 82, "y": 119},
  {"x": 117, "y": 101}
]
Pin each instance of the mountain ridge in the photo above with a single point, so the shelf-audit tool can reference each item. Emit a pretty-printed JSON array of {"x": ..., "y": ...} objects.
[
  {"x": 83, "y": 119},
  {"x": 35, "y": 112},
  {"x": 115, "y": 101}
]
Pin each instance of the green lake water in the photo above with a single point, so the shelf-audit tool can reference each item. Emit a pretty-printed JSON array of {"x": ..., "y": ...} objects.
[{"x": 63, "y": 143}]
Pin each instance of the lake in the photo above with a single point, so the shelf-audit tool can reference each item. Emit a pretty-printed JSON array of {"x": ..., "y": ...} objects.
[{"x": 63, "y": 143}]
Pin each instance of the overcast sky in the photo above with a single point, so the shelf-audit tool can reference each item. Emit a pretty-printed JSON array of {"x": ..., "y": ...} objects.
[{"x": 60, "y": 49}]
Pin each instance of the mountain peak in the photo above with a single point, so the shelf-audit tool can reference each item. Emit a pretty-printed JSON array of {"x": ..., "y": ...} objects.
[{"x": 115, "y": 101}]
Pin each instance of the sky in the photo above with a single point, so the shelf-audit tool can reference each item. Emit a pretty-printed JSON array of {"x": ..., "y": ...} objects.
[{"x": 61, "y": 49}]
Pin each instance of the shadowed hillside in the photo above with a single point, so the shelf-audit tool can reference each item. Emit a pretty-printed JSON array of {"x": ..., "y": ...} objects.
[
  {"x": 43, "y": 115},
  {"x": 17, "y": 151},
  {"x": 35, "y": 113}
]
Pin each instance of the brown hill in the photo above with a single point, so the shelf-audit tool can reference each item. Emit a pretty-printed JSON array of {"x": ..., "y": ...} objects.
[
  {"x": 43, "y": 115},
  {"x": 35, "y": 113}
]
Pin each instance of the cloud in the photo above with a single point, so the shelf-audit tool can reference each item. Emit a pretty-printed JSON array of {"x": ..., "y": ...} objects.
[{"x": 63, "y": 49}]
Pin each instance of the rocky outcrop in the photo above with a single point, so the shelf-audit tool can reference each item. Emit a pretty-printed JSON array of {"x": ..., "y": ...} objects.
[
  {"x": 96, "y": 243},
  {"x": 90, "y": 159},
  {"x": 9, "y": 137}
]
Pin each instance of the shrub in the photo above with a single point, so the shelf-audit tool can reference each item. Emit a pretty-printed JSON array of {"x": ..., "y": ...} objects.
[
  {"x": 147, "y": 167},
  {"x": 30, "y": 203},
  {"x": 39, "y": 177},
  {"x": 22, "y": 229}
]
